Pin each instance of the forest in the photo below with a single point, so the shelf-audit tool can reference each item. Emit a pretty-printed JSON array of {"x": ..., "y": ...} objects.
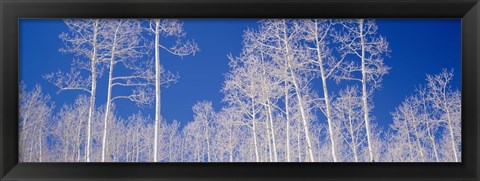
[{"x": 300, "y": 90}]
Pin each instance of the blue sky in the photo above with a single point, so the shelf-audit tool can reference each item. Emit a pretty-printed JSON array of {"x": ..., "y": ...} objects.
[{"x": 419, "y": 47}]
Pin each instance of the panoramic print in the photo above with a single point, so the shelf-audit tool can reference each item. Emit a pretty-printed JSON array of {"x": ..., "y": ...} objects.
[{"x": 240, "y": 90}]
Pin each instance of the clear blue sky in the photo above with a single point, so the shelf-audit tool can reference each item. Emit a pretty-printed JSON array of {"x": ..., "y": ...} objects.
[{"x": 419, "y": 47}]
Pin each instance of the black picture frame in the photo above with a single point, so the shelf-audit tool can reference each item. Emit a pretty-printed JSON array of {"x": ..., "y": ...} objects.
[{"x": 11, "y": 11}]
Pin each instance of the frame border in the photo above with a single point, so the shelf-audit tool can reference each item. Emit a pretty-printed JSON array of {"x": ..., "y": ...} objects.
[{"x": 11, "y": 11}]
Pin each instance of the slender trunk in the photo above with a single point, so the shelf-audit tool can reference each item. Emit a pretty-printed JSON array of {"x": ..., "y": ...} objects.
[
  {"x": 157, "y": 88},
  {"x": 275, "y": 155},
  {"x": 93, "y": 88},
  {"x": 254, "y": 131},
  {"x": 365, "y": 94},
  {"x": 287, "y": 116},
  {"x": 109, "y": 92},
  {"x": 325, "y": 94}
]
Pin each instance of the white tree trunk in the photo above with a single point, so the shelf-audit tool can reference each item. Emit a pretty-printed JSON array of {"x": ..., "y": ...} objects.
[
  {"x": 254, "y": 131},
  {"x": 109, "y": 94},
  {"x": 325, "y": 95},
  {"x": 275, "y": 156},
  {"x": 365, "y": 94},
  {"x": 287, "y": 116},
  {"x": 93, "y": 89},
  {"x": 107, "y": 111},
  {"x": 157, "y": 88}
]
